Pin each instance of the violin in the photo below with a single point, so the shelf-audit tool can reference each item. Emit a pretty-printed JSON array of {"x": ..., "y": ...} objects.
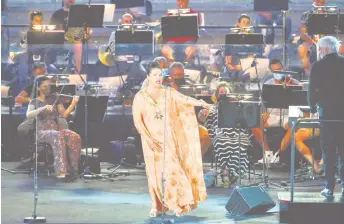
[{"x": 57, "y": 98}]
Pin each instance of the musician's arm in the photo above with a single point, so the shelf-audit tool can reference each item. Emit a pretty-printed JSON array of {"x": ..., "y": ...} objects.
[
  {"x": 303, "y": 54},
  {"x": 33, "y": 112},
  {"x": 230, "y": 65},
  {"x": 23, "y": 97},
  {"x": 66, "y": 112}
]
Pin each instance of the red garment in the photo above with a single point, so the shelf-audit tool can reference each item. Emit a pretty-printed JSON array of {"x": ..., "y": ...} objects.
[{"x": 181, "y": 40}]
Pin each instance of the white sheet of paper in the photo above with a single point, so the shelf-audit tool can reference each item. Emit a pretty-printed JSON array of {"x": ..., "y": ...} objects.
[
  {"x": 262, "y": 67},
  {"x": 109, "y": 12},
  {"x": 76, "y": 80},
  {"x": 113, "y": 82}
]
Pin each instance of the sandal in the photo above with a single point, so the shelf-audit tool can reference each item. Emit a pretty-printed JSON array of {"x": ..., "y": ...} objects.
[{"x": 154, "y": 212}]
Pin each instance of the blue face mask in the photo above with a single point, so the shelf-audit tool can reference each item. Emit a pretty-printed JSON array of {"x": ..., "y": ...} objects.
[
  {"x": 278, "y": 76},
  {"x": 165, "y": 72}
]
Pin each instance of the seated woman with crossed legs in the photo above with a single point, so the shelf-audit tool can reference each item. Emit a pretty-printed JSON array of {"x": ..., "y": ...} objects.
[{"x": 65, "y": 144}]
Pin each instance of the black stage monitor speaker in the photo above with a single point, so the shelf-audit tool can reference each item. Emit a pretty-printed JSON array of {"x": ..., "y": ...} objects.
[{"x": 249, "y": 200}]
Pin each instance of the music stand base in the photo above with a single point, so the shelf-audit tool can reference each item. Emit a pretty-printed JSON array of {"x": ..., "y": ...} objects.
[
  {"x": 266, "y": 184},
  {"x": 93, "y": 176},
  {"x": 35, "y": 219},
  {"x": 9, "y": 171},
  {"x": 162, "y": 220}
]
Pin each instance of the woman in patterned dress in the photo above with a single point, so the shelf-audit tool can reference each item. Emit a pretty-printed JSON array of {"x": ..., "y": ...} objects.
[
  {"x": 65, "y": 144},
  {"x": 167, "y": 123},
  {"x": 226, "y": 143}
]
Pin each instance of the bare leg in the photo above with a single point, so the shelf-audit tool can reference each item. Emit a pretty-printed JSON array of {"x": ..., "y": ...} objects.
[{"x": 77, "y": 49}]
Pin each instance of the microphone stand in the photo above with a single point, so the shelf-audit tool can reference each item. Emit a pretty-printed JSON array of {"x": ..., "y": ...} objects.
[
  {"x": 265, "y": 182},
  {"x": 164, "y": 220}
]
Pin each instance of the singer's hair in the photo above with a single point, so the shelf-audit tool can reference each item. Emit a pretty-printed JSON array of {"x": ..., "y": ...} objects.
[
  {"x": 275, "y": 61},
  {"x": 38, "y": 82},
  {"x": 242, "y": 16},
  {"x": 151, "y": 66}
]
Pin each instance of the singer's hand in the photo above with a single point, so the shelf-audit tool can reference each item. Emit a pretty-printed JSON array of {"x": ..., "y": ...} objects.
[{"x": 155, "y": 145}]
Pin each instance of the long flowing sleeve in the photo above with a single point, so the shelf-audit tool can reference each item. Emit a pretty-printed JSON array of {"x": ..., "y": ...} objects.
[
  {"x": 180, "y": 98},
  {"x": 138, "y": 116}
]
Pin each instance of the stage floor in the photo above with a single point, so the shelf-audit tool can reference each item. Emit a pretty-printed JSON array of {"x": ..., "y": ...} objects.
[{"x": 126, "y": 200}]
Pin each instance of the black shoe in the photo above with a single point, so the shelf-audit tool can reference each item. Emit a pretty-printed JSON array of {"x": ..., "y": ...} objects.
[
  {"x": 327, "y": 193},
  {"x": 71, "y": 178}
]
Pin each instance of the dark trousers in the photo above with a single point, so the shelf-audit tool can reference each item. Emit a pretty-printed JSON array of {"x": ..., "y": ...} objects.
[{"x": 332, "y": 143}]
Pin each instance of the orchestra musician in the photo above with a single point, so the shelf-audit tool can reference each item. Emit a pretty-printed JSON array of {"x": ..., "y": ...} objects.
[
  {"x": 226, "y": 143},
  {"x": 275, "y": 117},
  {"x": 307, "y": 43},
  {"x": 232, "y": 62},
  {"x": 134, "y": 70},
  {"x": 65, "y": 144},
  {"x": 186, "y": 52},
  {"x": 325, "y": 92},
  {"x": 167, "y": 124},
  {"x": 74, "y": 36}
]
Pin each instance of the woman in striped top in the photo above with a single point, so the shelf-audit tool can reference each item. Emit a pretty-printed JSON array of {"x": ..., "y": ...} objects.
[{"x": 229, "y": 146}]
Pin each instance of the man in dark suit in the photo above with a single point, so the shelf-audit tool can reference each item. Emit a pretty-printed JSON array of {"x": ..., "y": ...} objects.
[{"x": 325, "y": 93}]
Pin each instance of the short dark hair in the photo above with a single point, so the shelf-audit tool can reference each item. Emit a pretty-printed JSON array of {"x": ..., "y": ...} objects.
[
  {"x": 242, "y": 16},
  {"x": 34, "y": 13},
  {"x": 175, "y": 65},
  {"x": 151, "y": 66},
  {"x": 275, "y": 61}
]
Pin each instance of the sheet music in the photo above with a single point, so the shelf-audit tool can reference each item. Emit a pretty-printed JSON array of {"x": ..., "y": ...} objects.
[
  {"x": 114, "y": 82},
  {"x": 109, "y": 12},
  {"x": 194, "y": 75},
  {"x": 76, "y": 80},
  {"x": 262, "y": 67}
]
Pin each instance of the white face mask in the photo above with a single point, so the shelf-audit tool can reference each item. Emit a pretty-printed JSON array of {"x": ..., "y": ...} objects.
[{"x": 278, "y": 76}]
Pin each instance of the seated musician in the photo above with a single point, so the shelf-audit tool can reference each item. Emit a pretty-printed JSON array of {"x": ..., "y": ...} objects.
[
  {"x": 24, "y": 60},
  {"x": 226, "y": 141},
  {"x": 134, "y": 70},
  {"x": 232, "y": 62},
  {"x": 275, "y": 117},
  {"x": 270, "y": 18},
  {"x": 73, "y": 35},
  {"x": 65, "y": 144},
  {"x": 24, "y": 97},
  {"x": 307, "y": 43},
  {"x": 186, "y": 52}
]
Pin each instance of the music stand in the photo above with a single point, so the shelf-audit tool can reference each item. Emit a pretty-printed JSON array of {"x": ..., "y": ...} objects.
[
  {"x": 50, "y": 37},
  {"x": 183, "y": 25},
  {"x": 86, "y": 16},
  {"x": 236, "y": 112},
  {"x": 95, "y": 113},
  {"x": 270, "y": 5},
  {"x": 287, "y": 96},
  {"x": 234, "y": 41},
  {"x": 124, "y": 4},
  {"x": 138, "y": 42},
  {"x": 275, "y": 5},
  {"x": 325, "y": 24}
]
